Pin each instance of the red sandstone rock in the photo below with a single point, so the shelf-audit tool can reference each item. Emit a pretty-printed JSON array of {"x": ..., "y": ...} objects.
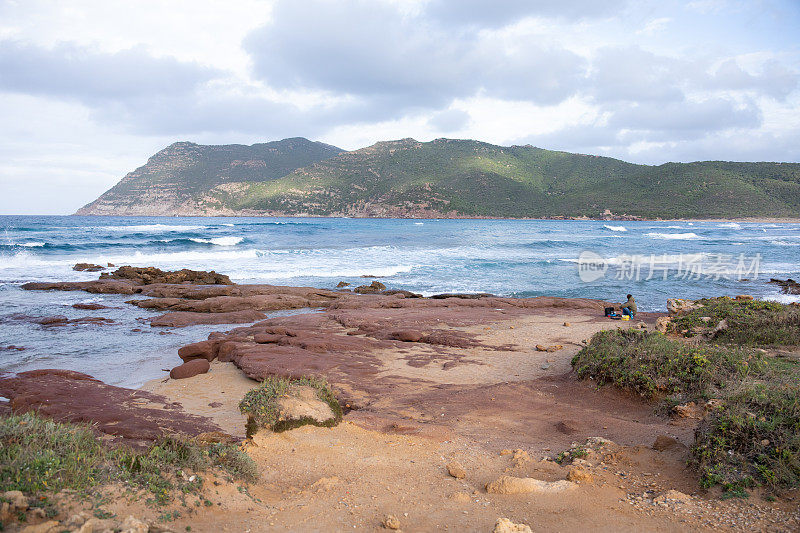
[
  {"x": 407, "y": 335},
  {"x": 204, "y": 349},
  {"x": 190, "y": 369},
  {"x": 135, "y": 416},
  {"x": 90, "y": 306},
  {"x": 182, "y": 319}
]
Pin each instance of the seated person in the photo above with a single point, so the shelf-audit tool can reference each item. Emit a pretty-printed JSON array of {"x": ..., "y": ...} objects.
[{"x": 629, "y": 307}]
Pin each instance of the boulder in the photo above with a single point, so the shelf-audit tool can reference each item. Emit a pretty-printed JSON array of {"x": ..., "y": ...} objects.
[
  {"x": 664, "y": 443},
  {"x": 51, "y": 526},
  {"x": 553, "y": 348},
  {"x": 455, "y": 469},
  {"x": 203, "y": 349},
  {"x": 190, "y": 369},
  {"x": 151, "y": 275},
  {"x": 788, "y": 286},
  {"x": 504, "y": 525},
  {"x": 744, "y": 298},
  {"x": 301, "y": 402},
  {"x": 407, "y": 335},
  {"x": 134, "y": 525},
  {"x": 88, "y": 267},
  {"x": 679, "y": 306},
  {"x": 391, "y": 522},
  {"x": 662, "y": 324},
  {"x": 16, "y": 499},
  {"x": 520, "y": 457},
  {"x": 181, "y": 319},
  {"x": 373, "y": 288},
  {"x": 524, "y": 485},
  {"x": 721, "y": 327},
  {"x": 89, "y": 306},
  {"x": 342, "y": 284},
  {"x": 579, "y": 474}
]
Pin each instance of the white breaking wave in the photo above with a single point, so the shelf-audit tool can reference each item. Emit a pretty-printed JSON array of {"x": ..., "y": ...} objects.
[
  {"x": 674, "y": 236},
  {"x": 784, "y": 243},
  {"x": 615, "y": 228},
  {"x": 152, "y": 228},
  {"x": 33, "y": 244},
  {"x": 731, "y": 225},
  {"x": 220, "y": 241}
]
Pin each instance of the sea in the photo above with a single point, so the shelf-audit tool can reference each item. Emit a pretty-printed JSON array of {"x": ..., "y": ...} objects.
[{"x": 520, "y": 258}]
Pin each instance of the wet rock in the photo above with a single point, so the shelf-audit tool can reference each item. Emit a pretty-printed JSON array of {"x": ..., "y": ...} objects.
[
  {"x": 181, "y": 319},
  {"x": 456, "y": 470},
  {"x": 203, "y": 349},
  {"x": 504, "y": 525},
  {"x": 89, "y": 306},
  {"x": 342, "y": 284},
  {"x": 524, "y": 485},
  {"x": 151, "y": 275},
  {"x": 373, "y": 288},
  {"x": 88, "y": 267},
  {"x": 788, "y": 286},
  {"x": 190, "y": 369}
]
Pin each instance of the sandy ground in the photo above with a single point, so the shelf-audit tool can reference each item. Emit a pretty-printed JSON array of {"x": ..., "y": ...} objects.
[{"x": 393, "y": 461}]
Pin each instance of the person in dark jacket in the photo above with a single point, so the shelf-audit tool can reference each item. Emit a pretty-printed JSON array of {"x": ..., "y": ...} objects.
[{"x": 629, "y": 307}]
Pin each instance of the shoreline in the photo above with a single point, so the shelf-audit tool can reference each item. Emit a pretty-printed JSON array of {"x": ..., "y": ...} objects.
[{"x": 755, "y": 220}]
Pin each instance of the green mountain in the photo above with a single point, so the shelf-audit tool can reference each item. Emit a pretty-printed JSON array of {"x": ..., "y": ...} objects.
[
  {"x": 176, "y": 180},
  {"x": 457, "y": 178}
]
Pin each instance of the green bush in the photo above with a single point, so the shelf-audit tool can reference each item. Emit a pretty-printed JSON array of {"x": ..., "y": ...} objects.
[
  {"x": 38, "y": 455},
  {"x": 753, "y": 437},
  {"x": 261, "y": 404},
  {"x": 750, "y": 322},
  {"x": 655, "y": 366}
]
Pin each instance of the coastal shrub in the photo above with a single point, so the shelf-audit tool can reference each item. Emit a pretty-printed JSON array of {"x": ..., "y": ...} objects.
[
  {"x": 655, "y": 366},
  {"x": 39, "y": 455},
  {"x": 752, "y": 438},
  {"x": 749, "y": 322},
  {"x": 262, "y": 409}
]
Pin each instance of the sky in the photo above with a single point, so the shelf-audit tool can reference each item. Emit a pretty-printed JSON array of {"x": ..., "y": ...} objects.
[{"x": 89, "y": 90}]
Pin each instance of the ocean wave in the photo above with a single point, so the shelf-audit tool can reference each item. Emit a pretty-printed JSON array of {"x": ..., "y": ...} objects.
[
  {"x": 784, "y": 243},
  {"x": 730, "y": 225},
  {"x": 674, "y": 236},
  {"x": 615, "y": 228},
  {"x": 220, "y": 241},
  {"x": 151, "y": 228},
  {"x": 33, "y": 244}
]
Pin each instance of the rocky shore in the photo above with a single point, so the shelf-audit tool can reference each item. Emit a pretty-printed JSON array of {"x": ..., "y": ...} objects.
[{"x": 460, "y": 413}]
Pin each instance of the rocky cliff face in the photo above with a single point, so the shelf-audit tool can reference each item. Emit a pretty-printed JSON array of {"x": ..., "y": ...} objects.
[{"x": 177, "y": 180}]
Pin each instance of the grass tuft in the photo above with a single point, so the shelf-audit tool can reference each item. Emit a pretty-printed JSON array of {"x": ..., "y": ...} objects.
[
  {"x": 261, "y": 404},
  {"x": 38, "y": 455}
]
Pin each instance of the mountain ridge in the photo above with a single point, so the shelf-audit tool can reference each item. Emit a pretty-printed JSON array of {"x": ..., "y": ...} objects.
[{"x": 452, "y": 178}]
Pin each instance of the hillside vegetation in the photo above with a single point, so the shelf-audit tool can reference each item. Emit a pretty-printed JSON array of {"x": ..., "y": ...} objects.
[{"x": 464, "y": 178}]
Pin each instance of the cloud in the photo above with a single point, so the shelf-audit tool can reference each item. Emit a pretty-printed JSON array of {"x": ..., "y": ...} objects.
[
  {"x": 774, "y": 80},
  {"x": 449, "y": 120},
  {"x": 632, "y": 74},
  {"x": 369, "y": 50},
  {"x": 71, "y": 71},
  {"x": 503, "y": 12},
  {"x": 685, "y": 119}
]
